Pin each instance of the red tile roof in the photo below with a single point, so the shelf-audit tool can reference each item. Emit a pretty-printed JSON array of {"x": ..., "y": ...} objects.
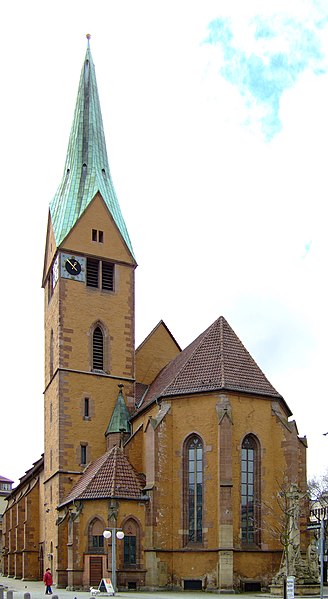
[
  {"x": 216, "y": 360},
  {"x": 140, "y": 390},
  {"x": 111, "y": 475}
]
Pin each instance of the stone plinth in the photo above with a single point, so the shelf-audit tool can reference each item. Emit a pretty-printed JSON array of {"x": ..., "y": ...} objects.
[{"x": 300, "y": 589}]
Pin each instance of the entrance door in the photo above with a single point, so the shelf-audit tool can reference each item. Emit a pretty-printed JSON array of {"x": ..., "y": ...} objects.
[{"x": 95, "y": 572}]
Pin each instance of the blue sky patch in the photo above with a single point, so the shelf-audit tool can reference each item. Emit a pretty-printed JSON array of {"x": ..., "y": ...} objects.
[{"x": 265, "y": 59}]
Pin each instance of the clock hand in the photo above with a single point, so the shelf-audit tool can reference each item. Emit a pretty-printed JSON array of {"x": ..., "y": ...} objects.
[{"x": 72, "y": 265}]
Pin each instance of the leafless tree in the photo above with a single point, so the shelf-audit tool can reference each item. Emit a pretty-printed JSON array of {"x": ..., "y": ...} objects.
[
  {"x": 285, "y": 519},
  {"x": 318, "y": 488}
]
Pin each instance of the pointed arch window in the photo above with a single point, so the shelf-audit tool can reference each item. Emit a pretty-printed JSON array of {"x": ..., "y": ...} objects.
[
  {"x": 98, "y": 349},
  {"x": 95, "y": 536},
  {"x": 131, "y": 543},
  {"x": 193, "y": 455},
  {"x": 250, "y": 491}
]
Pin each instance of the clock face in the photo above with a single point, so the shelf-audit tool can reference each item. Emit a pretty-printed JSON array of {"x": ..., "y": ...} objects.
[{"x": 72, "y": 267}]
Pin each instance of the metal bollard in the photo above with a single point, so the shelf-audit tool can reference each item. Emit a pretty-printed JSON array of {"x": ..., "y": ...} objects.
[
  {"x": 27, "y": 595},
  {"x": 10, "y": 594}
]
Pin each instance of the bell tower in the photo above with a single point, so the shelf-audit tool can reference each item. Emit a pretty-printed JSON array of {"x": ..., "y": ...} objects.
[{"x": 89, "y": 308}]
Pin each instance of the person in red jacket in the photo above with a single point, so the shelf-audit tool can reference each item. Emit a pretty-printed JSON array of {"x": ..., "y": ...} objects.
[{"x": 47, "y": 579}]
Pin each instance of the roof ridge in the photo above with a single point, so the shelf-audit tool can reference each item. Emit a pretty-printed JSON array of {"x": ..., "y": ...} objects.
[
  {"x": 222, "y": 347},
  {"x": 155, "y": 328},
  {"x": 132, "y": 469},
  {"x": 93, "y": 469},
  {"x": 115, "y": 448},
  {"x": 111, "y": 475},
  {"x": 216, "y": 360},
  {"x": 201, "y": 338}
]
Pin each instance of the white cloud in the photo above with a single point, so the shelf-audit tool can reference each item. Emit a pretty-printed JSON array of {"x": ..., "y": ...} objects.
[{"x": 265, "y": 56}]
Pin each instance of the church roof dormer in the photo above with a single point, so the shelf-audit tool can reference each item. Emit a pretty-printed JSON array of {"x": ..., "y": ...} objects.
[{"x": 86, "y": 169}]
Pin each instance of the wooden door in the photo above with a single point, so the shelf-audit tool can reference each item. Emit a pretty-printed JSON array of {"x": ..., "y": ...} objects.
[{"x": 95, "y": 571}]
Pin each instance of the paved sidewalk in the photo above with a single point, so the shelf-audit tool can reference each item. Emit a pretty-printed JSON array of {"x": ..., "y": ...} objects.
[{"x": 36, "y": 590}]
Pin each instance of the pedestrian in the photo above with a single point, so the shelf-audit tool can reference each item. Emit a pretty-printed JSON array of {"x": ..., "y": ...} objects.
[{"x": 47, "y": 579}]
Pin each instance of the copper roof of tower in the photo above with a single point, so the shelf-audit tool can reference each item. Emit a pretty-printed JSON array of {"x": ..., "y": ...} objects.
[
  {"x": 110, "y": 476},
  {"x": 86, "y": 169},
  {"x": 217, "y": 360}
]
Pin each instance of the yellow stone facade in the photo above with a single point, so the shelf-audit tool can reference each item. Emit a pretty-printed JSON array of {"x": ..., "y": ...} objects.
[
  {"x": 70, "y": 316},
  {"x": 52, "y": 521},
  {"x": 155, "y": 447},
  {"x": 221, "y": 561}
]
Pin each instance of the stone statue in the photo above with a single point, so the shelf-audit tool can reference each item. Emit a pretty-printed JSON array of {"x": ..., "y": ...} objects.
[
  {"x": 312, "y": 560},
  {"x": 306, "y": 571}
]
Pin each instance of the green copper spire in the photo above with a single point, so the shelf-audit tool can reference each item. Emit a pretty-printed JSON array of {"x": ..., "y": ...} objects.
[
  {"x": 120, "y": 418},
  {"x": 86, "y": 168}
]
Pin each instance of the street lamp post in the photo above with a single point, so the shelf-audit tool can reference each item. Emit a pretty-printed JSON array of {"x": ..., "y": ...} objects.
[{"x": 114, "y": 534}]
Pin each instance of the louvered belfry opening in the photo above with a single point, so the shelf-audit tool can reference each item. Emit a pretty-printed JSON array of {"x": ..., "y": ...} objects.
[
  {"x": 108, "y": 276},
  {"x": 98, "y": 349},
  {"x": 92, "y": 272},
  {"x": 100, "y": 274}
]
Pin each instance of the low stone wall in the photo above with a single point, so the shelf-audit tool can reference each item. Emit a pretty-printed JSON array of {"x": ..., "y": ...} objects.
[{"x": 300, "y": 589}]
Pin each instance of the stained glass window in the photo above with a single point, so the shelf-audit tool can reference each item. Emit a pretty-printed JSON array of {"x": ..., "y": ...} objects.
[
  {"x": 195, "y": 489},
  {"x": 249, "y": 491}
]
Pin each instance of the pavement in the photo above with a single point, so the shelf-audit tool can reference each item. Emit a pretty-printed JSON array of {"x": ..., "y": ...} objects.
[{"x": 36, "y": 590}]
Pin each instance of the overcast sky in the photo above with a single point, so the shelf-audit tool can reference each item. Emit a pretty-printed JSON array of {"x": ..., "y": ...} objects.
[{"x": 216, "y": 122}]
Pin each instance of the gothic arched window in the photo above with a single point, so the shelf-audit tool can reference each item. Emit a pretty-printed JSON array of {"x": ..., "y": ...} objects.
[
  {"x": 193, "y": 466},
  {"x": 131, "y": 543},
  {"x": 250, "y": 491},
  {"x": 98, "y": 349},
  {"x": 95, "y": 536}
]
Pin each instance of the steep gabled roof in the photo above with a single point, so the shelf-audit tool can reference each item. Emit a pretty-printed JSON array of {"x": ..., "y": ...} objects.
[
  {"x": 216, "y": 360},
  {"x": 110, "y": 476},
  {"x": 86, "y": 169},
  {"x": 157, "y": 350},
  {"x": 28, "y": 479},
  {"x": 160, "y": 324}
]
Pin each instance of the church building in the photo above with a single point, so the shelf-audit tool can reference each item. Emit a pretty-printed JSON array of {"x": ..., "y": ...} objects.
[{"x": 183, "y": 451}]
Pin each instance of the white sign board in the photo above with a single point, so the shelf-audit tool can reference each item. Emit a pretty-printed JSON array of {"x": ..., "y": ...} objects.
[
  {"x": 290, "y": 587},
  {"x": 106, "y": 586}
]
